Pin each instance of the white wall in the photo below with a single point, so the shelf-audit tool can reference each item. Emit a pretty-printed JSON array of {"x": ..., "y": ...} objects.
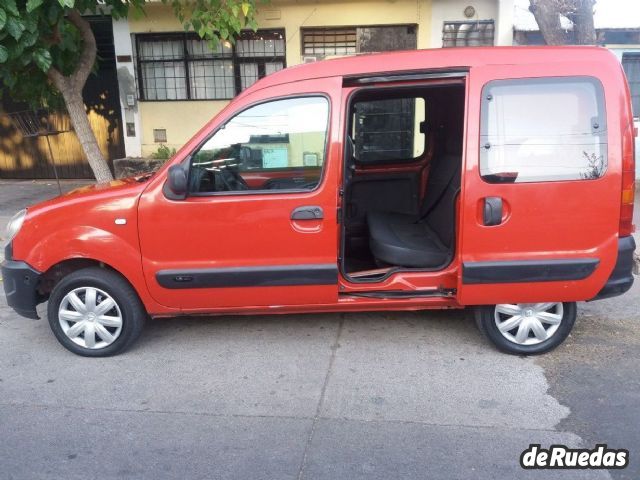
[{"x": 126, "y": 84}]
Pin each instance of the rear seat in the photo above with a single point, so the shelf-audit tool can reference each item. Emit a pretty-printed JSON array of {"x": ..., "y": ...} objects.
[{"x": 424, "y": 241}]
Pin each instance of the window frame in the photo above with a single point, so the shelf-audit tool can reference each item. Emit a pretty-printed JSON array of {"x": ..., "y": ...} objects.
[
  {"x": 236, "y": 59},
  {"x": 189, "y": 158},
  {"x": 363, "y": 91},
  {"x": 347, "y": 30},
  {"x": 632, "y": 57},
  {"x": 602, "y": 110}
]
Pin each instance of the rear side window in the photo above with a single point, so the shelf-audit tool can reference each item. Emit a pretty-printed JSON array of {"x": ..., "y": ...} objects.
[{"x": 537, "y": 130}]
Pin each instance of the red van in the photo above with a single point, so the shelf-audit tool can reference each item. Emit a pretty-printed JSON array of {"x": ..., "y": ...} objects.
[{"x": 498, "y": 178}]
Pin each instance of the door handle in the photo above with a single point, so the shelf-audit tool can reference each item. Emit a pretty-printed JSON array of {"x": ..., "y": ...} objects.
[
  {"x": 307, "y": 213},
  {"x": 492, "y": 212}
]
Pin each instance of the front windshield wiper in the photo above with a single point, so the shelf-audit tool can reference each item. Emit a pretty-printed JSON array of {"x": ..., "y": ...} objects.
[{"x": 144, "y": 177}]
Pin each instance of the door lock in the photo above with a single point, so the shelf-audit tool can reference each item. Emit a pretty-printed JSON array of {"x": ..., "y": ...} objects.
[{"x": 492, "y": 213}]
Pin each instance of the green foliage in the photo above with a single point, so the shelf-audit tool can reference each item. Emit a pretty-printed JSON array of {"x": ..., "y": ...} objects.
[
  {"x": 36, "y": 36},
  {"x": 163, "y": 153},
  {"x": 216, "y": 20}
]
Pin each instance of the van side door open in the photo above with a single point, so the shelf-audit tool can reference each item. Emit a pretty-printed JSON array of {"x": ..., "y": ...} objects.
[{"x": 540, "y": 204}]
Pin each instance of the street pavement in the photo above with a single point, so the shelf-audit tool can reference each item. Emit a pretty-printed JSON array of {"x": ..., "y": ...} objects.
[{"x": 417, "y": 395}]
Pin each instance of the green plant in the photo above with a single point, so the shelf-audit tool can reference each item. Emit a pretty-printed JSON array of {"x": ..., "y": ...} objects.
[
  {"x": 163, "y": 153},
  {"x": 595, "y": 166}
]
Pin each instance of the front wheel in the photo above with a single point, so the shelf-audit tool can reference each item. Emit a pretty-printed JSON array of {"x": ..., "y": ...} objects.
[
  {"x": 94, "y": 312},
  {"x": 526, "y": 328}
]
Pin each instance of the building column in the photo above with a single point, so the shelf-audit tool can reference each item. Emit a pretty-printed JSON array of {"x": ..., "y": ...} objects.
[
  {"x": 504, "y": 27},
  {"x": 127, "y": 87}
]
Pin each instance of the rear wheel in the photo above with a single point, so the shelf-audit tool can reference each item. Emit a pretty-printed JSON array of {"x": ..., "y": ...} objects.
[
  {"x": 527, "y": 328},
  {"x": 94, "y": 312}
]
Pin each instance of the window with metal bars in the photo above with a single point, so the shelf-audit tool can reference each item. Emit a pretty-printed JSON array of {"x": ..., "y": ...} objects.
[
  {"x": 468, "y": 34},
  {"x": 181, "y": 66},
  {"x": 322, "y": 42},
  {"x": 631, "y": 65}
]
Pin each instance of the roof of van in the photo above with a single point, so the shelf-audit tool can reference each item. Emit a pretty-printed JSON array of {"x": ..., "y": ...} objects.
[{"x": 439, "y": 58}]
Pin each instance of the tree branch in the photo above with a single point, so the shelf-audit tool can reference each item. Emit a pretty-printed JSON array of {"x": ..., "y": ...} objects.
[
  {"x": 583, "y": 23},
  {"x": 56, "y": 78},
  {"x": 88, "y": 55},
  {"x": 547, "y": 15}
]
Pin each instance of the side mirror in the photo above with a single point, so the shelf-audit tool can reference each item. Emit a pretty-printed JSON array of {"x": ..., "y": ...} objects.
[{"x": 176, "y": 185}]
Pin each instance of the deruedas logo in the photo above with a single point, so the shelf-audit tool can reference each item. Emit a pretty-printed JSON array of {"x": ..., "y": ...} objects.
[{"x": 560, "y": 456}]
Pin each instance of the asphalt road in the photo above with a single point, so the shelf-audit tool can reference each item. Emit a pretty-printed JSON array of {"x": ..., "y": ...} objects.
[{"x": 331, "y": 396}]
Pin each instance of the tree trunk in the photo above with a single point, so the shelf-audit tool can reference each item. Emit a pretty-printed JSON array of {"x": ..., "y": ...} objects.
[
  {"x": 78, "y": 115},
  {"x": 547, "y": 16},
  {"x": 71, "y": 89},
  {"x": 583, "y": 23}
]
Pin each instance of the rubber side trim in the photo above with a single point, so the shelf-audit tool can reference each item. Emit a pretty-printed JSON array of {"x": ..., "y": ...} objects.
[
  {"x": 476, "y": 273},
  {"x": 268, "y": 276}
]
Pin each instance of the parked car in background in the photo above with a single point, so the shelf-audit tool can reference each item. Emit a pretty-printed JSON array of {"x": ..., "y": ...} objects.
[{"x": 495, "y": 178}]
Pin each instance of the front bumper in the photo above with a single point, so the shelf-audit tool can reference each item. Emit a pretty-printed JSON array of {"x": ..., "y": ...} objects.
[
  {"x": 20, "y": 287},
  {"x": 621, "y": 278}
]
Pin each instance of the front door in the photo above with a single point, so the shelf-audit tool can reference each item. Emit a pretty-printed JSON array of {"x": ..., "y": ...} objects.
[
  {"x": 258, "y": 227},
  {"x": 541, "y": 189}
]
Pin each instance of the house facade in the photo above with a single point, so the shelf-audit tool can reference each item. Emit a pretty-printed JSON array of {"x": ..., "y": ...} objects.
[
  {"x": 171, "y": 83},
  {"x": 157, "y": 84}
]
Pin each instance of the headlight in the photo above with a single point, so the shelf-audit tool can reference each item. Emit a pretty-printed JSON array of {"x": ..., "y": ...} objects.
[{"x": 13, "y": 227}]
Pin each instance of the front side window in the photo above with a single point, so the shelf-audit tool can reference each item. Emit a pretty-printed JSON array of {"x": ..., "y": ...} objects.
[
  {"x": 546, "y": 129},
  {"x": 278, "y": 145}
]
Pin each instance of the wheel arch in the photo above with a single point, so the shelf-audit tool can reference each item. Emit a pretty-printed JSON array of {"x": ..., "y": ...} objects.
[
  {"x": 56, "y": 272},
  {"x": 65, "y": 250}
]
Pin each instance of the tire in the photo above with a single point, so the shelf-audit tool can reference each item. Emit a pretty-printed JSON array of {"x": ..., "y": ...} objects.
[
  {"x": 557, "y": 320},
  {"x": 84, "y": 296}
]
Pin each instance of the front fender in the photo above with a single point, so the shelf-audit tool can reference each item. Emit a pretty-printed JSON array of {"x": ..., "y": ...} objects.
[{"x": 120, "y": 252}]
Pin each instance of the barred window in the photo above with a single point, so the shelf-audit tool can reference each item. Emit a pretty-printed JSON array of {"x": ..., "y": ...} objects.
[
  {"x": 631, "y": 65},
  {"x": 468, "y": 34},
  {"x": 181, "y": 66},
  {"x": 321, "y": 42}
]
